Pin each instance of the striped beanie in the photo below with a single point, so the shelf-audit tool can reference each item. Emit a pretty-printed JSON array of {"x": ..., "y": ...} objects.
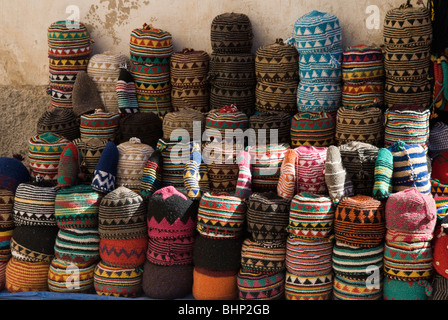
[
  {"x": 257, "y": 258},
  {"x": 175, "y": 155},
  {"x": 214, "y": 285},
  {"x": 44, "y": 153},
  {"x": 122, "y": 215},
  {"x": 406, "y": 290},
  {"x": 179, "y": 123},
  {"x": 363, "y": 124},
  {"x": 231, "y": 33},
  {"x": 99, "y": 124},
  {"x": 77, "y": 207},
  {"x": 362, "y": 63},
  {"x": 384, "y": 167},
  {"x": 78, "y": 246},
  {"x": 89, "y": 153},
  {"x": 345, "y": 288},
  {"x": 132, "y": 157},
  {"x": 264, "y": 124},
  {"x": 267, "y": 218},
  {"x": 123, "y": 253},
  {"x": 308, "y": 288},
  {"x": 408, "y": 261},
  {"x": 311, "y": 216},
  {"x": 170, "y": 252},
  {"x": 313, "y": 129},
  {"x": 152, "y": 174},
  {"x": 86, "y": 98},
  {"x": 221, "y": 216},
  {"x": 12, "y": 173},
  {"x": 7, "y": 199},
  {"x": 411, "y": 216},
  {"x": 105, "y": 173},
  {"x": 310, "y": 170},
  {"x": 62, "y": 121},
  {"x": 363, "y": 94},
  {"x": 437, "y": 138},
  {"x": 25, "y": 276},
  {"x": 33, "y": 243},
  {"x": 321, "y": 66},
  {"x": 69, "y": 169},
  {"x": 149, "y": 45},
  {"x": 360, "y": 221},
  {"x": 117, "y": 282},
  {"x": 34, "y": 205},
  {"x": 65, "y": 277},
  {"x": 226, "y": 118},
  {"x": 317, "y": 97},
  {"x": 126, "y": 92},
  {"x": 254, "y": 286},
  {"x": 146, "y": 126}
]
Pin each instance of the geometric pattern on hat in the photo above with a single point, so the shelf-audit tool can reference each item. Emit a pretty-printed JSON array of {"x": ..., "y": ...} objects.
[
  {"x": 310, "y": 170},
  {"x": 276, "y": 97},
  {"x": 256, "y": 258},
  {"x": 298, "y": 287},
  {"x": 66, "y": 277},
  {"x": 352, "y": 289},
  {"x": 106, "y": 169},
  {"x": 318, "y": 97},
  {"x": 256, "y": 286},
  {"x": 438, "y": 189},
  {"x": 313, "y": 129},
  {"x": 23, "y": 276},
  {"x": 231, "y": 32},
  {"x": 34, "y": 244},
  {"x": 62, "y": 121},
  {"x": 170, "y": 252},
  {"x": 416, "y": 92},
  {"x": 440, "y": 288},
  {"x": 90, "y": 153},
  {"x": 78, "y": 246},
  {"x": 123, "y": 253},
  {"x": 99, "y": 124},
  {"x": 6, "y": 209},
  {"x": 150, "y": 45},
  {"x": 321, "y": 67}
]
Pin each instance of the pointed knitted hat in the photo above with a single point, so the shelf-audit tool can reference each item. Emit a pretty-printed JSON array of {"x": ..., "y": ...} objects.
[
  {"x": 105, "y": 174},
  {"x": 86, "y": 97},
  {"x": 62, "y": 121},
  {"x": 69, "y": 169},
  {"x": 152, "y": 174}
]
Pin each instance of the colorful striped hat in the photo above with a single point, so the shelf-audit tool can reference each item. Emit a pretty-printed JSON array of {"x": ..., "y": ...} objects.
[
  {"x": 7, "y": 209},
  {"x": 90, "y": 153},
  {"x": 384, "y": 167},
  {"x": 313, "y": 129},
  {"x": 105, "y": 174},
  {"x": 126, "y": 93},
  {"x": 69, "y": 169},
  {"x": 152, "y": 174},
  {"x": 411, "y": 216},
  {"x": 226, "y": 118},
  {"x": 12, "y": 173},
  {"x": 170, "y": 252},
  {"x": 78, "y": 246},
  {"x": 5, "y": 243},
  {"x": 366, "y": 94},
  {"x": 360, "y": 221},
  {"x": 62, "y": 121},
  {"x": 117, "y": 282},
  {"x": 345, "y": 288},
  {"x": 25, "y": 276},
  {"x": 257, "y": 258},
  {"x": 214, "y": 285},
  {"x": 99, "y": 124},
  {"x": 33, "y": 244},
  {"x": 311, "y": 216},
  {"x": 321, "y": 66},
  {"x": 362, "y": 63},
  {"x": 150, "y": 45},
  {"x": 175, "y": 155},
  {"x": 77, "y": 207},
  {"x": 44, "y": 153},
  {"x": 123, "y": 253},
  {"x": 264, "y": 124},
  {"x": 231, "y": 32},
  {"x": 267, "y": 218},
  {"x": 66, "y": 277},
  {"x": 146, "y": 126},
  {"x": 256, "y": 286},
  {"x": 122, "y": 215},
  {"x": 317, "y": 97},
  {"x": 34, "y": 205},
  {"x": 410, "y": 290},
  {"x": 315, "y": 287},
  {"x": 310, "y": 170},
  {"x": 221, "y": 216}
]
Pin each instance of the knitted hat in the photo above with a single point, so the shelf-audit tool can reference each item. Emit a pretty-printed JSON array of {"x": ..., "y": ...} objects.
[
  {"x": 318, "y": 97},
  {"x": 232, "y": 69},
  {"x": 310, "y": 170},
  {"x": 439, "y": 168},
  {"x": 318, "y": 287},
  {"x": 90, "y": 153},
  {"x": 312, "y": 129},
  {"x": 437, "y": 142},
  {"x": 410, "y": 216},
  {"x": 77, "y": 207},
  {"x": 311, "y": 216},
  {"x": 44, "y": 153},
  {"x": 384, "y": 167},
  {"x": 152, "y": 174},
  {"x": 86, "y": 98},
  {"x": 364, "y": 94},
  {"x": 150, "y": 45},
  {"x": 69, "y": 168},
  {"x": 265, "y": 123},
  {"x": 131, "y": 162},
  {"x": 12, "y": 173},
  {"x": 77, "y": 246},
  {"x": 34, "y": 205},
  {"x": 3, "y": 274},
  {"x": 24, "y": 276},
  {"x": 267, "y": 218},
  {"x": 170, "y": 214},
  {"x": 105, "y": 173},
  {"x": 190, "y": 98},
  {"x": 34, "y": 244},
  {"x": 62, "y": 121},
  {"x": 65, "y": 277},
  {"x": 345, "y": 288},
  {"x": 321, "y": 67},
  {"x": 7, "y": 209},
  {"x": 243, "y": 188},
  {"x": 214, "y": 285},
  {"x": 408, "y": 261},
  {"x": 189, "y": 68},
  {"x": 126, "y": 93},
  {"x": 417, "y": 92},
  {"x": 160, "y": 282},
  {"x": 5, "y": 248},
  {"x": 257, "y": 258},
  {"x": 170, "y": 252},
  {"x": 408, "y": 64},
  {"x": 231, "y": 32},
  {"x": 335, "y": 174},
  {"x": 411, "y": 290},
  {"x": 217, "y": 254},
  {"x": 196, "y": 180},
  {"x": 99, "y": 124},
  {"x": 146, "y": 126},
  {"x": 226, "y": 118},
  {"x": 287, "y": 180},
  {"x": 122, "y": 215},
  {"x": 276, "y": 97},
  {"x": 242, "y": 97},
  {"x": 117, "y": 282},
  {"x": 259, "y": 286},
  {"x": 362, "y": 63},
  {"x": 439, "y": 285},
  {"x": 123, "y": 253},
  {"x": 188, "y": 120},
  {"x": 221, "y": 216},
  {"x": 175, "y": 156},
  {"x": 360, "y": 221}
]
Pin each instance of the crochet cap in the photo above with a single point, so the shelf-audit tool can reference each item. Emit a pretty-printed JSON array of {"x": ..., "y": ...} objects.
[
  {"x": 231, "y": 32},
  {"x": 34, "y": 244},
  {"x": 312, "y": 129},
  {"x": 105, "y": 174},
  {"x": 69, "y": 169},
  {"x": 6, "y": 209},
  {"x": 89, "y": 153},
  {"x": 123, "y": 253},
  {"x": 299, "y": 287},
  {"x": 264, "y": 124},
  {"x": 345, "y": 288},
  {"x": 411, "y": 290},
  {"x": 25, "y": 276},
  {"x": 170, "y": 252},
  {"x": 226, "y": 118},
  {"x": 257, "y": 258},
  {"x": 65, "y": 277},
  {"x": 259, "y": 286},
  {"x": 187, "y": 120},
  {"x": 439, "y": 168},
  {"x": 362, "y": 63},
  {"x": 310, "y": 170},
  {"x": 146, "y": 126},
  {"x": 150, "y": 45},
  {"x": 12, "y": 173},
  {"x": 78, "y": 246},
  {"x": 86, "y": 98},
  {"x": 99, "y": 124},
  {"x": 189, "y": 68},
  {"x": 214, "y": 285},
  {"x": 410, "y": 216},
  {"x": 319, "y": 96},
  {"x": 62, "y": 121},
  {"x": 437, "y": 142}
]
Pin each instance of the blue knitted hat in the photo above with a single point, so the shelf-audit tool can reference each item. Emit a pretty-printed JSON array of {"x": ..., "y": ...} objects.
[
  {"x": 12, "y": 173},
  {"x": 317, "y": 97},
  {"x": 321, "y": 67},
  {"x": 106, "y": 169}
]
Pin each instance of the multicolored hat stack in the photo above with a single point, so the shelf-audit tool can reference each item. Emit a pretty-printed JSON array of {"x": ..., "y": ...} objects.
[
  {"x": 313, "y": 129},
  {"x": 104, "y": 69},
  {"x": 271, "y": 127},
  {"x": 407, "y": 35},
  {"x": 277, "y": 78},
  {"x": 123, "y": 243},
  {"x": 225, "y": 119},
  {"x": 99, "y": 124},
  {"x": 62, "y": 121},
  {"x": 168, "y": 269},
  {"x": 189, "y": 83},
  {"x": 69, "y": 49},
  {"x": 44, "y": 153},
  {"x": 358, "y": 123},
  {"x": 90, "y": 151},
  {"x": 217, "y": 248},
  {"x": 362, "y": 76},
  {"x": 150, "y": 52},
  {"x": 126, "y": 92},
  {"x": 185, "y": 123},
  {"x": 146, "y": 126},
  {"x": 232, "y": 63}
]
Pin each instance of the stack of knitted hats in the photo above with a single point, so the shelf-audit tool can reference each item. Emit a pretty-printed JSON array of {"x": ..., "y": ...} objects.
[
  {"x": 61, "y": 121},
  {"x": 77, "y": 241},
  {"x": 309, "y": 246},
  {"x": 33, "y": 237},
  {"x": 408, "y": 256},
  {"x": 189, "y": 84},
  {"x": 362, "y": 76},
  {"x": 232, "y": 64},
  {"x": 123, "y": 243},
  {"x": 359, "y": 228},
  {"x": 150, "y": 52},
  {"x": 104, "y": 69},
  {"x": 407, "y": 34},
  {"x": 69, "y": 49},
  {"x": 277, "y": 78},
  {"x": 217, "y": 247},
  {"x": 99, "y": 124},
  {"x": 168, "y": 269},
  {"x": 263, "y": 252}
]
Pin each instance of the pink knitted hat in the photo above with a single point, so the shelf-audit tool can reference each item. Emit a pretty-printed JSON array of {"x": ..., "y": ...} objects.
[{"x": 410, "y": 216}]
